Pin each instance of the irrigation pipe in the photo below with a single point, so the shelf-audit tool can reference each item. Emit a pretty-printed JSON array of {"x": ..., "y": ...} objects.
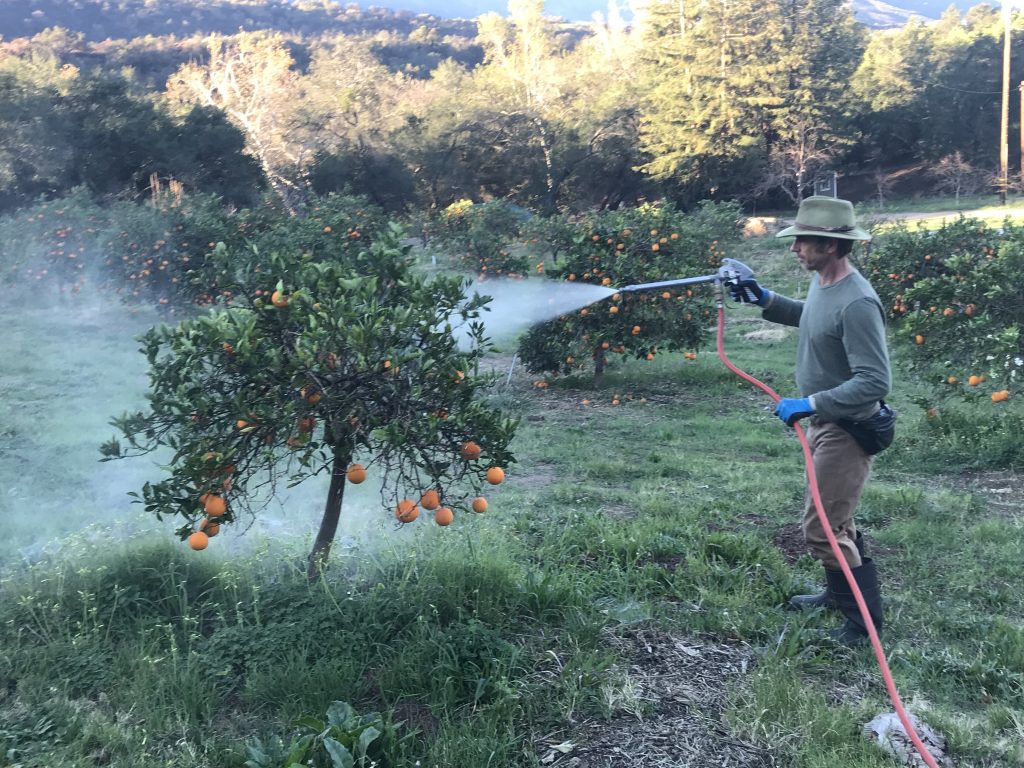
[{"x": 812, "y": 484}]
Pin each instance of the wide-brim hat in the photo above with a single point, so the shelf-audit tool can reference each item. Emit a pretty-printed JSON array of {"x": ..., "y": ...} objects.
[{"x": 820, "y": 216}]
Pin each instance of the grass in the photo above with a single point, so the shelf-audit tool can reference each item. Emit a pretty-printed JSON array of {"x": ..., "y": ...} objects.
[{"x": 630, "y": 543}]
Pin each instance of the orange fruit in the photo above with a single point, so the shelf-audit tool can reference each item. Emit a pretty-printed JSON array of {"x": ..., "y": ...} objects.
[
  {"x": 470, "y": 451},
  {"x": 210, "y": 527},
  {"x": 919, "y": 339},
  {"x": 969, "y": 310},
  {"x": 613, "y": 309},
  {"x": 198, "y": 540},
  {"x": 666, "y": 295},
  {"x": 406, "y": 511},
  {"x": 495, "y": 475},
  {"x": 278, "y": 299},
  {"x": 443, "y": 516},
  {"x": 215, "y": 506},
  {"x": 241, "y": 423},
  {"x": 430, "y": 499},
  {"x": 949, "y": 312},
  {"x": 951, "y": 380},
  {"x": 1002, "y": 394},
  {"x": 479, "y": 504},
  {"x": 356, "y": 474},
  {"x": 327, "y": 229},
  {"x": 973, "y": 381}
]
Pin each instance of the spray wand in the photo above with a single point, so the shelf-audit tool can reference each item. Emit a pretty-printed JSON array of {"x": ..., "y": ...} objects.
[{"x": 732, "y": 272}]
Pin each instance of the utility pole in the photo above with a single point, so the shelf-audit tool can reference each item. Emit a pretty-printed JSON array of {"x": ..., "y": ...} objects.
[{"x": 1004, "y": 119}]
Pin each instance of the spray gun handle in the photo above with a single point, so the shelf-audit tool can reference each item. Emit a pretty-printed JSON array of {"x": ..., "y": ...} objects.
[{"x": 733, "y": 272}]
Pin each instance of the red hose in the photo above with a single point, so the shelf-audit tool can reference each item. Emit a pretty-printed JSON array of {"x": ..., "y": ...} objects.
[{"x": 812, "y": 484}]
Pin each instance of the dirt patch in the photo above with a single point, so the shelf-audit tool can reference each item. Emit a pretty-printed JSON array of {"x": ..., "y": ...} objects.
[
  {"x": 1000, "y": 490},
  {"x": 790, "y": 541},
  {"x": 667, "y": 700},
  {"x": 415, "y": 717},
  {"x": 536, "y": 477}
]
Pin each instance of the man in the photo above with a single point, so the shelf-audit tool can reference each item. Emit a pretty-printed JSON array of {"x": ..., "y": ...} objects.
[{"x": 842, "y": 372}]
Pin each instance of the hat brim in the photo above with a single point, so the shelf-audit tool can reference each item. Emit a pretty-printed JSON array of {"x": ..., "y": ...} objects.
[{"x": 797, "y": 231}]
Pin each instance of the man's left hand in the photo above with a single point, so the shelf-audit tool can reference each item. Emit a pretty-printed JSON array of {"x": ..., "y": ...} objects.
[{"x": 792, "y": 409}]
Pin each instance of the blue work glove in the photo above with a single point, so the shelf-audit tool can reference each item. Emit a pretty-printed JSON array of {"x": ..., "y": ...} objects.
[
  {"x": 792, "y": 409},
  {"x": 749, "y": 292}
]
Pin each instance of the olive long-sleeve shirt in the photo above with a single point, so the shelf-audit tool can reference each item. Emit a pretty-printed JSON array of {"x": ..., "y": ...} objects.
[{"x": 842, "y": 360}]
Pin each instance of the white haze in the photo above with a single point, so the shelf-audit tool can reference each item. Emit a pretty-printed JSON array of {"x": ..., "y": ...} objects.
[
  {"x": 65, "y": 370},
  {"x": 71, "y": 363},
  {"x": 516, "y": 305}
]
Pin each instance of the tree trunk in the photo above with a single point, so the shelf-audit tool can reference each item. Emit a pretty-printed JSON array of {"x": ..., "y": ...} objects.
[
  {"x": 332, "y": 513},
  {"x": 599, "y": 364}
]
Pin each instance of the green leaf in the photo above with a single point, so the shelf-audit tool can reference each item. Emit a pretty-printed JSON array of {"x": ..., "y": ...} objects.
[
  {"x": 340, "y": 714},
  {"x": 340, "y": 757},
  {"x": 366, "y": 738}
]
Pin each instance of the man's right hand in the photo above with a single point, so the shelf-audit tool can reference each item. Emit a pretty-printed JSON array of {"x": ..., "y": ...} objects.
[{"x": 749, "y": 292}]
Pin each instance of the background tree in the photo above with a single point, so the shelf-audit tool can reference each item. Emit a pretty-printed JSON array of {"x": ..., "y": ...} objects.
[
  {"x": 350, "y": 106},
  {"x": 954, "y": 174},
  {"x": 251, "y": 79},
  {"x": 732, "y": 85}
]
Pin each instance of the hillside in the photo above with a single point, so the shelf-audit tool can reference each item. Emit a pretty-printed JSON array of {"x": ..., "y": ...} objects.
[{"x": 98, "y": 20}]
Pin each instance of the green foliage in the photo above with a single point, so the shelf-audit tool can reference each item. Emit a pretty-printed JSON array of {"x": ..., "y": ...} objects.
[
  {"x": 953, "y": 296},
  {"x": 756, "y": 97},
  {"x": 482, "y": 236},
  {"x": 616, "y": 248},
  {"x": 343, "y": 740},
  {"x": 353, "y": 356}
]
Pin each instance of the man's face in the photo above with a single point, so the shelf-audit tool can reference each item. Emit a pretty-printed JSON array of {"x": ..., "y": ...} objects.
[{"x": 813, "y": 253}]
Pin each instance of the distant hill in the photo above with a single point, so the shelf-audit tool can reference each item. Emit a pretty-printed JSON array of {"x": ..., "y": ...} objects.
[{"x": 98, "y": 20}]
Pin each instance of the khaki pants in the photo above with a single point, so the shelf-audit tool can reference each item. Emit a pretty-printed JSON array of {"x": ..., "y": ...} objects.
[{"x": 842, "y": 469}]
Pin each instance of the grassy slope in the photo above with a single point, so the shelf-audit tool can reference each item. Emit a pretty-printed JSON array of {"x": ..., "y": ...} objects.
[{"x": 628, "y": 542}]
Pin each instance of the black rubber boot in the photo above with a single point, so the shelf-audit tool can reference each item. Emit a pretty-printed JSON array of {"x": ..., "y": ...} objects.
[
  {"x": 824, "y": 599},
  {"x": 854, "y": 630}
]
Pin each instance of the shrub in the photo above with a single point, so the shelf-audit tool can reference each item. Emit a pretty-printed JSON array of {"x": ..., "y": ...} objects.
[
  {"x": 482, "y": 237},
  {"x": 953, "y": 297},
  {"x": 615, "y": 248}
]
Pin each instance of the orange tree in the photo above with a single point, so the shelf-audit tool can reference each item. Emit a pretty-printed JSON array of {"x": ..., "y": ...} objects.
[
  {"x": 166, "y": 252},
  {"x": 481, "y": 238},
  {"x": 346, "y": 360},
  {"x": 52, "y": 244},
  {"x": 616, "y": 248},
  {"x": 954, "y": 297}
]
